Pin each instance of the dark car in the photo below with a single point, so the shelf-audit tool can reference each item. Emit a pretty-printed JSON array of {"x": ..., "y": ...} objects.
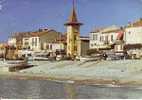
[{"x": 114, "y": 56}]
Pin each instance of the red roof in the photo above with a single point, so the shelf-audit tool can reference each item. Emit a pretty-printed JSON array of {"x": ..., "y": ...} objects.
[
  {"x": 120, "y": 35},
  {"x": 40, "y": 33}
]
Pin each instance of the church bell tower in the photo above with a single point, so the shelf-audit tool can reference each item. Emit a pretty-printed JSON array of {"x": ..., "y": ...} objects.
[{"x": 73, "y": 33}]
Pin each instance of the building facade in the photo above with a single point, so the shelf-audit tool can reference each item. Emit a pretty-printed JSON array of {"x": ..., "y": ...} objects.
[
  {"x": 103, "y": 38},
  {"x": 133, "y": 38},
  {"x": 120, "y": 40},
  {"x": 56, "y": 46},
  {"x": 42, "y": 40},
  {"x": 83, "y": 46},
  {"x": 133, "y": 35},
  {"x": 12, "y": 41}
]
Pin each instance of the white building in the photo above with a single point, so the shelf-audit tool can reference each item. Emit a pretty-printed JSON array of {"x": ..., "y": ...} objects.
[
  {"x": 26, "y": 43},
  {"x": 31, "y": 43},
  {"x": 35, "y": 43},
  {"x": 122, "y": 39},
  {"x": 103, "y": 38},
  {"x": 42, "y": 40},
  {"x": 12, "y": 41},
  {"x": 53, "y": 47},
  {"x": 133, "y": 38},
  {"x": 133, "y": 35}
]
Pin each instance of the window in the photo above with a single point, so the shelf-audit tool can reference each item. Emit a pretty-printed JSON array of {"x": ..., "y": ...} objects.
[
  {"x": 39, "y": 40},
  {"x": 106, "y": 38},
  {"x": 47, "y": 47},
  {"x": 50, "y": 47},
  {"x": 32, "y": 41},
  {"x": 35, "y": 41},
  {"x": 111, "y": 37},
  {"x": 95, "y": 36},
  {"x": 101, "y": 38},
  {"x": 116, "y": 48},
  {"x": 26, "y": 39},
  {"x": 26, "y": 43},
  {"x": 74, "y": 37},
  {"x": 75, "y": 48}
]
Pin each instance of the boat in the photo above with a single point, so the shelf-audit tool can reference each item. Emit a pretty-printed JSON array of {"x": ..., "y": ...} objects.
[
  {"x": 41, "y": 57},
  {"x": 15, "y": 65},
  {"x": 14, "y": 62},
  {"x": 87, "y": 58}
]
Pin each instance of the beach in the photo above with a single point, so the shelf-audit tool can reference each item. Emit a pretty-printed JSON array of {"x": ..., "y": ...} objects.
[{"x": 120, "y": 72}]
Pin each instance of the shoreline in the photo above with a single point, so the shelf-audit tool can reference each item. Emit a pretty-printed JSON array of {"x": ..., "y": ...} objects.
[{"x": 95, "y": 82}]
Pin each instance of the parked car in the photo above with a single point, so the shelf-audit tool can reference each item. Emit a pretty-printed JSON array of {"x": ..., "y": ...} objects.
[
  {"x": 113, "y": 56},
  {"x": 98, "y": 56},
  {"x": 41, "y": 57}
]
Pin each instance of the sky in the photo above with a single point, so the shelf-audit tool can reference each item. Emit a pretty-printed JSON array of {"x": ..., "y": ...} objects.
[{"x": 30, "y": 15}]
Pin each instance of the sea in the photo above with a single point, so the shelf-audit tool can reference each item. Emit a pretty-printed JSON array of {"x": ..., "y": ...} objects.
[{"x": 48, "y": 89}]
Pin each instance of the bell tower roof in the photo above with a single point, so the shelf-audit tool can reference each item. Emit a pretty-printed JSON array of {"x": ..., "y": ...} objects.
[{"x": 73, "y": 17}]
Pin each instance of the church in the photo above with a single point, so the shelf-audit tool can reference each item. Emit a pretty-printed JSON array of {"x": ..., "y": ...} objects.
[{"x": 76, "y": 45}]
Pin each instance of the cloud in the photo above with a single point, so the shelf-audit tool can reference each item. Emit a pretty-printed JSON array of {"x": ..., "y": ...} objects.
[
  {"x": 0, "y": 7},
  {"x": 1, "y": 1},
  {"x": 141, "y": 1}
]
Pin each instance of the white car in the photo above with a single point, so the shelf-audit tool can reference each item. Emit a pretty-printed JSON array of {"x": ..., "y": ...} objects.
[{"x": 59, "y": 57}]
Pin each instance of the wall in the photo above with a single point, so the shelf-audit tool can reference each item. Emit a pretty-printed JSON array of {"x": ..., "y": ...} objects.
[
  {"x": 56, "y": 46},
  {"x": 72, "y": 36},
  {"x": 35, "y": 43},
  {"x": 26, "y": 43},
  {"x": 83, "y": 47},
  {"x": 12, "y": 41},
  {"x": 133, "y": 35},
  {"x": 101, "y": 40},
  {"x": 49, "y": 36}
]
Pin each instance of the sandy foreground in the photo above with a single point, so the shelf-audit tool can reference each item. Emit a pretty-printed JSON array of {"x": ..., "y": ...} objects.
[{"x": 124, "y": 72}]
